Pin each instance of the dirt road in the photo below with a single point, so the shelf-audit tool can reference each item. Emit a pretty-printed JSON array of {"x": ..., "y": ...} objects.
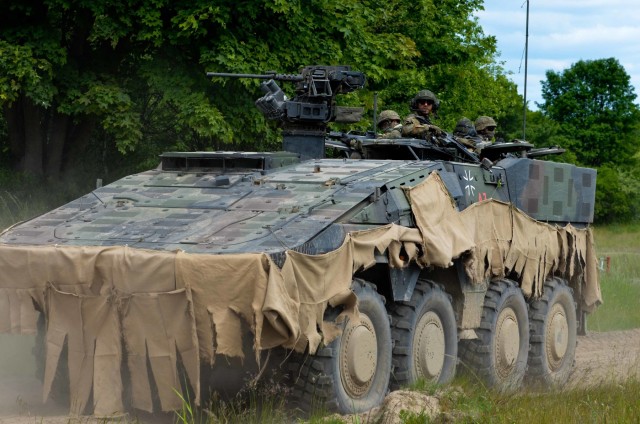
[
  {"x": 600, "y": 358},
  {"x": 606, "y": 357}
]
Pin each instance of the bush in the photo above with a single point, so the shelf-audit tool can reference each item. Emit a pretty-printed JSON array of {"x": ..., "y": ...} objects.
[{"x": 617, "y": 195}]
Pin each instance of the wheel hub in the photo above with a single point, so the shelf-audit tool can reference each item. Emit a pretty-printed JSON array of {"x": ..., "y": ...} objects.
[
  {"x": 557, "y": 336},
  {"x": 359, "y": 356},
  {"x": 429, "y": 346},
  {"x": 507, "y": 341}
]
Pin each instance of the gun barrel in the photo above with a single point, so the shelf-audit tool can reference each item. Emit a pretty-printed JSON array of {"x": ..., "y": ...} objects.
[
  {"x": 230, "y": 75},
  {"x": 268, "y": 75}
]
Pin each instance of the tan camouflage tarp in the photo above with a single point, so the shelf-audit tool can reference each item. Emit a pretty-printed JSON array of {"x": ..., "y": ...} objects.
[{"x": 155, "y": 306}]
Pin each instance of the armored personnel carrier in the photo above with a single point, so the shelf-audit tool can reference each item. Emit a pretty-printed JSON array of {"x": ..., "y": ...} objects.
[{"x": 415, "y": 260}]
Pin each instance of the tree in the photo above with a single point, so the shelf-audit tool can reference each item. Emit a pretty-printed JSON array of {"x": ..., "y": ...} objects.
[
  {"x": 593, "y": 101},
  {"x": 76, "y": 71},
  {"x": 593, "y": 104},
  {"x": 69, "y": 67}
]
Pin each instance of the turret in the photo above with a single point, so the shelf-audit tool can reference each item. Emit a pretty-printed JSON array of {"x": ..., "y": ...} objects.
[{"x": 304, "y": 118}]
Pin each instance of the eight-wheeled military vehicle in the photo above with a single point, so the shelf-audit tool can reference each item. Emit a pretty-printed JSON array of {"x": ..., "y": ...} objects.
[{"x": 418, "y": 258}]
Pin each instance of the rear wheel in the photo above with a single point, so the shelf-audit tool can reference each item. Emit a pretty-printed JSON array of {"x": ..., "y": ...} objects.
[
  {"x": 553, "y": 335},
  {"x": 499, "y": 354},
  {"x": 425, "y": 337},
  {"x": 351, "y": 374}
]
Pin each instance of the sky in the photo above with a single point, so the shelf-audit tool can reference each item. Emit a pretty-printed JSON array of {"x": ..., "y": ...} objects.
[{"x": 562, "y": 32}]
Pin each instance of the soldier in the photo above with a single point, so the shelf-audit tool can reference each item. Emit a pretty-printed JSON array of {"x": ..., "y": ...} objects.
[
  {"x": 486, "y": 128},
  {"x": 389, "y": 124},
  {"x": 465, "y": 133},
  {"x": 424, "y": 105}
]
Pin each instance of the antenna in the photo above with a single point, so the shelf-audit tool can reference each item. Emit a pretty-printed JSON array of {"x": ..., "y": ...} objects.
[
  {"x": 526, "y": 60},
  {"x": 375, "y": 112}
]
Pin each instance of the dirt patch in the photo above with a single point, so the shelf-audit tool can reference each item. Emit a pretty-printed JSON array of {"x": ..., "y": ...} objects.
[
  {"x": 600, "y": 358},
  {"x": 606, "y": 358}
]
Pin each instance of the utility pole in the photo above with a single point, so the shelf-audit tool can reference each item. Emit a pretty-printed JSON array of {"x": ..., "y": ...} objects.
[{"x": 526, "y": 59}]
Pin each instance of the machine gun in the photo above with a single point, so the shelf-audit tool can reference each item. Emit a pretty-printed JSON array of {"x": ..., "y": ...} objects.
[
  {"x": 316, "y": 89},
  {"x": 304, "y": 118}
]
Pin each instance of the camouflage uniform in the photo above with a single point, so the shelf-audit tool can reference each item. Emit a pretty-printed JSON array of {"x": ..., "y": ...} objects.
[
  {"x": 419, "y": 125},
  {"x": 385, "y": 121}
]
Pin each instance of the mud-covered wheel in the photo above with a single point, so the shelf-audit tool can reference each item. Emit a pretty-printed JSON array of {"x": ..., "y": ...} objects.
[
  {"x": 351, "y": 374},
  {"x": 499, "y": 355},
  {"x": 425, "y": 337},
  {"x": 553, "y": 336}
]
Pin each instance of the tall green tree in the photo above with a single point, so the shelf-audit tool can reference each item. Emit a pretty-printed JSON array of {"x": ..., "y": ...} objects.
[
  {"x": 73, "y": 72},
  {"x": 69, "y": 68},
  {"x": 593, "y": 101},
  {"x": 592, "y": 106}
]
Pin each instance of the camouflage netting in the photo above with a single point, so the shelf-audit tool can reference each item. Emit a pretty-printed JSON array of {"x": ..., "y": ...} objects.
[
  {"x": 151, "y": 307},
  {"x": 498, "y": 239}
]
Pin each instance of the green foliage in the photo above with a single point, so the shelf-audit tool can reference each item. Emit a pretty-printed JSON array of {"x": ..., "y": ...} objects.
[
  {"x": 137, "y": 69},
  {"x": 617, "y": 194},
  {"x": 21, "y": 72},
  {"x": 593, "y": 102},
  {"x": 591, "y": 105},
  {"x": 407, "y": 417}
]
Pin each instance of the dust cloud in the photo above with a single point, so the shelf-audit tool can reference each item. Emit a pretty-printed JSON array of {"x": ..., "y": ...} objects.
[{"x": 20, "y": 390}]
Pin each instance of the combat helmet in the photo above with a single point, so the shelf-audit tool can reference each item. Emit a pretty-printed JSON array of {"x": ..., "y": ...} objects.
[
  {"x": 465, "y": 128},
  {"x": 388, "y": 115},
  {"x": 424, "y": 95},
  {"x": 485, "y": 121}
]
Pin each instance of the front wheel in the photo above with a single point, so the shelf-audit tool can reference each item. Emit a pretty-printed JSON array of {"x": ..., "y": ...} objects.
[
  {"x": 499, "y": 354},
  {"x": 425, "y": 337},
  {"x": 553, "y": 336},
  {"x": 351, "y": 374}
]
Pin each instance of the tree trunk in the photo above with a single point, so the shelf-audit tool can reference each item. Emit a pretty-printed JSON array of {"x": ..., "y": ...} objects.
[
  {"x": 78, "y": 137},
  {"x": 15, "y": 129},
  {"x": 33, "y": 139},
  {"x": 55, "y": 145}
]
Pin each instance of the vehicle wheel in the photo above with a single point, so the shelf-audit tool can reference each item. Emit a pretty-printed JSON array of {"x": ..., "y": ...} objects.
[
  {"x": 425, "y": 337},
  {"x": 499, "y": 354},
  {"x": 351, "y": 374},
  {"x": 553, "y": 335}
]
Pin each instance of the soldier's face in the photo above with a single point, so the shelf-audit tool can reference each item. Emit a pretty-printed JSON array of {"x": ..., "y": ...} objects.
[
  {"x": 489, "y": 132},
  {"x": 388, "y": 124},
  {"x": 425, "y": 107}
]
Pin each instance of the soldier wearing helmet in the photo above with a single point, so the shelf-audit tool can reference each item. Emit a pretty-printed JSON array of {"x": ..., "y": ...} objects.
[
  {"x": 465, "y": 133},
  {"x": 486, "y": 128},
  {"x": 389, "y": 124},
  {"x": 424, "y": 105}
]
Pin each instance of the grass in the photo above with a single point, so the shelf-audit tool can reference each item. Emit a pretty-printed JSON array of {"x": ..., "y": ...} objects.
[
  {"x": 607, "y": 403},
  {"x": 263, "y": 402},
  {"x": 23, "y": 197},
  {"x": 621, "y": 284}
]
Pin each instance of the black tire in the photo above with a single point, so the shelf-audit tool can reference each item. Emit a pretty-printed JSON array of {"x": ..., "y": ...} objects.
[
  {"x": 553, "y": 336},
  {"x": 351, "y": 374},
  {"x": 425, "y": 337},
  {"x": 499, "y": 355}
]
